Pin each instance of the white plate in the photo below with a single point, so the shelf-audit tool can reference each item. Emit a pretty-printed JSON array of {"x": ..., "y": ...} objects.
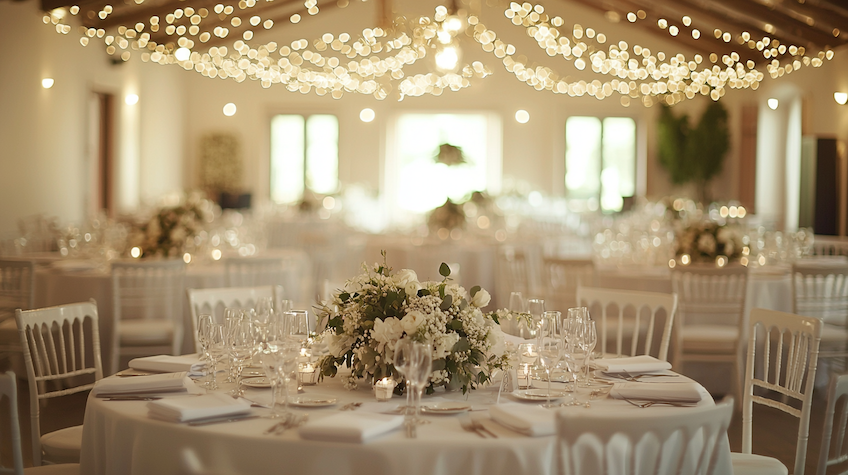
[
  {"x": 313, "y": 401},
  {"x": 538, "y": 394},
  {"x": 252, "y": 371},
  {"x": 445, "y": 408},
  {"x": 259, "y": 382}
]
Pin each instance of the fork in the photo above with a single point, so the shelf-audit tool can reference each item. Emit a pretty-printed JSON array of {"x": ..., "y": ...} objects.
[
  {"x": 471, "y": 426},
  {"x": 645, "y": 404}
]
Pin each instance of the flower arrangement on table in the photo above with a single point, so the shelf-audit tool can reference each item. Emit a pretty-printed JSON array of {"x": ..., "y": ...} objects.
[
  {"x": 166, "y": 232},
  {"x": 705, "y": 241},
  {"x": 448, "y": 216},
  {"x": 377, "y": 308}
]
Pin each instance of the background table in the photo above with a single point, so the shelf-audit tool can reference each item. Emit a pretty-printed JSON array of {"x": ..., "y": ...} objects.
[{"x": 119, "y": 438}]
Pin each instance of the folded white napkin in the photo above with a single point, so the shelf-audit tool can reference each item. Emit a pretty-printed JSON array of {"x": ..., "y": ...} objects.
[
  {"x": 670, "y": 392},
  {"x": 534, "y": 421},
  {"x": 632, "y": 364},
  {"x": 352, "y": 427},
  {"x": 169, "y": 364},
  {"x": 155, "y": 383},
  {"x": 202, "y": 407}
]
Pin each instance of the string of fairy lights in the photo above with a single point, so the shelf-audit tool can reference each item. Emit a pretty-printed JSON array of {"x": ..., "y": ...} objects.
[{"x": 375, "y": 61}]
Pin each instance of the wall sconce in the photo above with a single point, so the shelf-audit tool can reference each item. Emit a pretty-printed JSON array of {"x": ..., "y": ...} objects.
[
  {"x": 772, "y": 103},
  {"x": 840, "y": 97}
]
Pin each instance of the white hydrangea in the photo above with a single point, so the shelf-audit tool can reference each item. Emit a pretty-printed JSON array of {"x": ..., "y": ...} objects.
[{"x": 386, "y": 331}]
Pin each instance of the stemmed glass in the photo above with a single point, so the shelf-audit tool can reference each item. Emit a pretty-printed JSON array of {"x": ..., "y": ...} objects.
[
  {"x": 231, "y": 317},
  {"x": 536, "y": 307},
  {"x": 242, "y": 344},
  {"x": 415, "y": 361},
  {"x": 588, "y": 342},
  {"x": 204, "y": 321},
  {"x": 550, "y": 347},
  {"x": 517, "y": 306},
  {"x": 217, "y": 350},
  {"x": 278, "y": 356}
]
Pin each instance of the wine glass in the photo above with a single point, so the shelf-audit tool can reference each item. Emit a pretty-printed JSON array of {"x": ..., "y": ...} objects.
[
  {"x": 203, "y": 323},
  {"x": 231, "y": 317},
  {"x": 588, "y": 342},
  {"x": 550, "y": 347},
  {"x": 278, "y": 358},
  {"x": 217, "y": 350},
  {"x": 536, "y": 307},
  {"x": 419, "y": 374},
  {"x": 517, "y": 306},
  {"x": 242, "y": 343},
  {"x": 403, "y": 362},
  {"x": 298, "y": 326},
  {"x": 527, "y": 356}
]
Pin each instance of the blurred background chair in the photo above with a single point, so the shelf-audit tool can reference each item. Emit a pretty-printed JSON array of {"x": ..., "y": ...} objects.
[
  {"x": 630, "y": 320},
  {"x": 711, "y": 318},
  {"x": 820, "y": 290},
  {"x": 9, "y": 389},
  {"x": 214, "y": 301},
  {"x": 17, "y": 290},
  {"x": 562, "y": 277},
  {"x": 253, "y": 271},
  {"x": 785, "y": 369},
  {"x": 834, "y": 446},
  {"x": 62, "y": 355},
  {"x": 148, "y": 308},
  {"x": 595, "y": 442}
]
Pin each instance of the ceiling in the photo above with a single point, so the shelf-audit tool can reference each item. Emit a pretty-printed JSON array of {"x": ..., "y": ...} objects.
[{"x": 812, "y": 24}]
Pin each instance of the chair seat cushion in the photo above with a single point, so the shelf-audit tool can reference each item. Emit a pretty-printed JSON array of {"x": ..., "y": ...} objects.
[
  {"x": 709, "y": 338},
  {"x": 63, "y": 445},
  {"x": 146, "y": 332},
  {"x": 753, "y": 464},
  {"x": 61, "y": 469}
]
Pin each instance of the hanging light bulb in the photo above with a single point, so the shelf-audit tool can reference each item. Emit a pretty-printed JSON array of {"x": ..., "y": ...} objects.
[{"x": 447, "y": 58}]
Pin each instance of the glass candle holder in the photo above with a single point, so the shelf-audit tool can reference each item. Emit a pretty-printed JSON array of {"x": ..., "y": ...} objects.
[
  {"x": 384, "y": 388},
  {"x": 308, "y": 374}
]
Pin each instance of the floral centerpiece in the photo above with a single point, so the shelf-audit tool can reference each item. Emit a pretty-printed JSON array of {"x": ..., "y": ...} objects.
[
  {"x": 706, "y": 241},
  {"x": 167, "y": 231},
  {"x": 377, "y": 308},
  {"x": 448, "y": 216}
]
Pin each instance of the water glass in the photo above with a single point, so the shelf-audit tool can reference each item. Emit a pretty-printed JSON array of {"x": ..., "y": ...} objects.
[{"x": 536, "y": 307}]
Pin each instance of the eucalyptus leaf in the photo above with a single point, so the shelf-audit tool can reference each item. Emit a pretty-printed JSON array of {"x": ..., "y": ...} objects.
[
  {"x": 474, "y": 290},
  {"x": 446, "y": 302},
  {"x": 444, "y": 270}
]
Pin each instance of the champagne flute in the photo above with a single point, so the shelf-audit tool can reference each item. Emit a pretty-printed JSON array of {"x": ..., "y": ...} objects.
[
  {"x": 204, "y": 321},
  {"x": 588, "y": 342},
  {"x": 242, "y": 343},
  {"x": 550, "y": 348},
  {"x": 217, "y": 350},
  {"x": 517, "y": 306},
  {"x": 231, "y": 317}
]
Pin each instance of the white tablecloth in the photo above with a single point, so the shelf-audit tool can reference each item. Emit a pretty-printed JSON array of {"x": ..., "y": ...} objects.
[
  {"x": 56, "y": 286},
  {"x": 119, "y": 438}
]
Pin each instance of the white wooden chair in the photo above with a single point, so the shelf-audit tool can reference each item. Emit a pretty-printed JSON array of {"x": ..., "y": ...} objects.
[
  {"x": 9, "y": 388},
  {"x": 562, "y": 277},
  {"x": 57, "y": 354},
  {"x": 711, "y": 318},
  {"x": 785, "y": 369},
  {"x": 148, "y": 308},
  {"x": 17, "y": 290},
  {"x": 654, "y": 442},
  {"x": 830, "y": 246},
  {"x": 834, "y": 449},
  {"x": 253, "y": 271},
  {"x": 623, "y": 316},
  {"x": 514, "y": 269},
  {"x": 214, "y": 301},
  {"x": 820, "y": 289}
]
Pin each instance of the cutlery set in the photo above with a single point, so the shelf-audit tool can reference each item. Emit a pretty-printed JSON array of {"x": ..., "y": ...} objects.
[
  {"x": 470, "y": 425},
  {"x": 290, "y": 421}
]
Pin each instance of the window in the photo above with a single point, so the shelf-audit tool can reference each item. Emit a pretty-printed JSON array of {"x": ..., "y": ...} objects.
[
  {"x": 304, "y": 155},
  {"x": 600, "y": 160},
  {"x": 419, "y": 182}
]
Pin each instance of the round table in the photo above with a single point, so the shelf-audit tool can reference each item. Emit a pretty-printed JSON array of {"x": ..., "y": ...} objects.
[{"x": 119, "y": 438}]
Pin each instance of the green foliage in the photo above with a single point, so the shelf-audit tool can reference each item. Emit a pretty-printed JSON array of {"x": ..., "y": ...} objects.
[{"x": 696, "y": 154}]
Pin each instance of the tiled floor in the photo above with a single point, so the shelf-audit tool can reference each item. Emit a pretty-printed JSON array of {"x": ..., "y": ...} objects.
[{"x": 775, "y": 433}]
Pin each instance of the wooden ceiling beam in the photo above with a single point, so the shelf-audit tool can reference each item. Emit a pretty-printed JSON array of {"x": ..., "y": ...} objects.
[{"x": 787, "y": 24}]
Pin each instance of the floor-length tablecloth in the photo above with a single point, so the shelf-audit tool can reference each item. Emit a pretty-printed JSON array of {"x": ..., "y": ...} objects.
[{"x": 119, "y": 438}]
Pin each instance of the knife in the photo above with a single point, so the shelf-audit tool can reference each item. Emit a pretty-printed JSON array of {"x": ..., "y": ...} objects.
[{"x": 218, "y": 420}]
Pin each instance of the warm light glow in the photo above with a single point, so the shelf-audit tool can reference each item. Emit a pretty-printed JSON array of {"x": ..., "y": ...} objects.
[
  {"x": 447, "y": 58},
  {"x": 229, "y": 109},
  {"x": 773, "y": 103},
  {"x": 522, "y": 116},
  {"x": 135, "y": 252},
  {"x": 672, "y": 263},
  {"x": 47, "y": 83},
  {"x": 685, "y": 259},
  {"x": 216, "y": 254},
  {"x": 721, "y": 261},
  {"x": 182, "y": 54},
  {"x": 329, "y": 202},
  {"x": 131, "y": 99},
  {"x": 367, "y": 115},
  {"x": 187, "y": 258},
  {"x": 840, "y": 97}
]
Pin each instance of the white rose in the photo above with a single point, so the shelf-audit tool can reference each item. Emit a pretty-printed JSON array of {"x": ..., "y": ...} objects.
[
  {"x": 444, "y": 344},
  {"x": 413, "y": 321},
  {"x": 412, "y": 287},
  {"x": 338, "y": 345},
  {"x": 496, "y": 341},
  {"x": 386, "y": 332},
  {"x": 404, "y": 277},
  {"x": 481, "y": 298}
]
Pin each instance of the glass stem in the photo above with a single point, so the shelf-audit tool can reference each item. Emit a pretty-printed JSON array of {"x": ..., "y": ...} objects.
[{"x": 548, "y": 373}]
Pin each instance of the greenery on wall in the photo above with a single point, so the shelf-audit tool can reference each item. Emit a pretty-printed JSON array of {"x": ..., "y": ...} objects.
[{"x": 693, "y": 155}]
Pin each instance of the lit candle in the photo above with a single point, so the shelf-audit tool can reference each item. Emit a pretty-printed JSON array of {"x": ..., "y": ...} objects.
[
  {"x": 307, "y": 374},
  {"x": 383, "y": 389}
]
